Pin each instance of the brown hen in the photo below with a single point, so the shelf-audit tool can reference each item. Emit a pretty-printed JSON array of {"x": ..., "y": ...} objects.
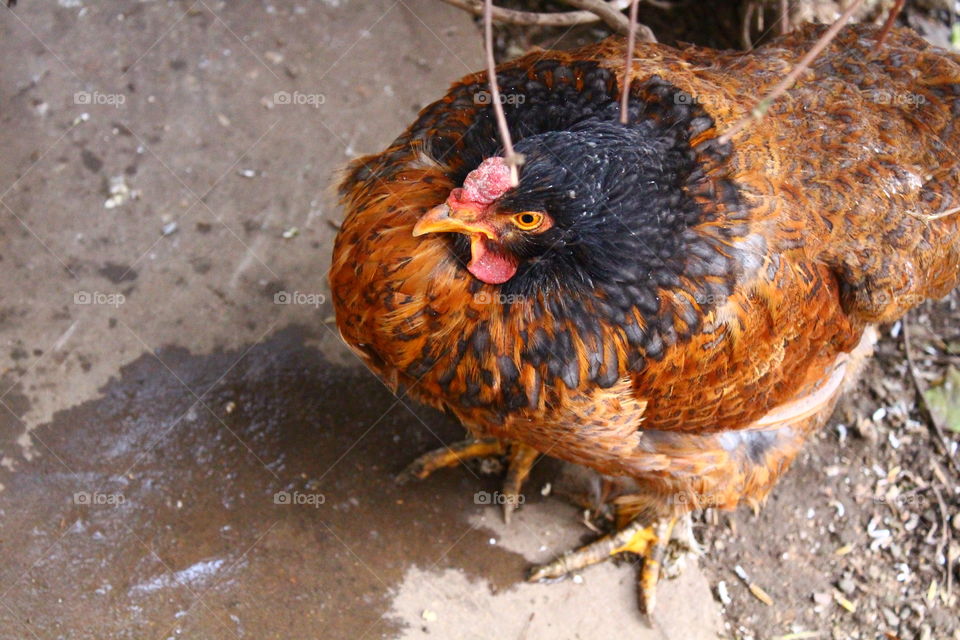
[{"x": 675, "y": 313}]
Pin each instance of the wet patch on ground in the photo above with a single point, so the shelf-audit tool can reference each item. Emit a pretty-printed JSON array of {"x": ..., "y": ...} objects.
[{"x": 247, "y": 492}]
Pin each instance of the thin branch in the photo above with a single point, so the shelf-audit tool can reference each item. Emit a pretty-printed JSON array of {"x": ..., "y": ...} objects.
[
  {"x": 627, "y": 67},
  {"x": 531, "y": 18},
  {"x": 934, "y": 216},
  {"x": 891, "y": 19},
  {"x": 935, "y": 426},
  {"x": 512, "y": 158},
  {"x": 761, "y": 108},
  {"x": 784, "y": 17},
  {"x": 612, "y": 17},
  {"x": 745, "y": 26}
]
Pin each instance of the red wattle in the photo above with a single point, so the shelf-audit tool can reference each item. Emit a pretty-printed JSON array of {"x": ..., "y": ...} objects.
[{"x": 489, "y": 264}]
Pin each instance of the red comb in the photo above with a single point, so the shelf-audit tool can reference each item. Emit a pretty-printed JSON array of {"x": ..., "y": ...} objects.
[{"x": 487, "y": 182}]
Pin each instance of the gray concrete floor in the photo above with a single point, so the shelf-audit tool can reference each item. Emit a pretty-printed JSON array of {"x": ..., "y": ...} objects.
[{"x": 155, "y": 399}]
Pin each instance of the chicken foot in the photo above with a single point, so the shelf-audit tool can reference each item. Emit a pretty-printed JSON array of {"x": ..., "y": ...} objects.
[
  {"x": 651, "y": 542},
  {"x": 520, "y": 462}
]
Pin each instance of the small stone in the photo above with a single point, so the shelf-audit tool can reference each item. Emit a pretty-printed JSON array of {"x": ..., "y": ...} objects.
[
  {"x": 893, "y": 620},
  {"x": 867, "y": 430},
  {"x": 847, "y": 585},
  {"x": 429, "y": 616},
  {"x": 722, "y": 593}
]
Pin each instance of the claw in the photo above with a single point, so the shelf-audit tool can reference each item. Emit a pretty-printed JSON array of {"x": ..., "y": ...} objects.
[
  {"x": 522, "y": 458},
  {"x": 450, "y": 456},
  {"x": 521, "y": 461},
  {"x": 650, "y": 542}
]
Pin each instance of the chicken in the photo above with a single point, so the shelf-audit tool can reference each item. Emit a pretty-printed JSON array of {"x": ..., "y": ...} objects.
[{"x": 675, "y": 312}]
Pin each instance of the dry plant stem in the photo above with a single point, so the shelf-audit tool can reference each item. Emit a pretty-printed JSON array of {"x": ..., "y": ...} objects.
[
  {"x": 761, "y": 107},
  {"x": 512, "y": 159},
  {"x": 894, "y": 12},
  {"x": 921, "y": 390},
  {"x": 532, "y": 18},
  {"x": 784, "y": 17},
  {"x": 745, "y": 38},
  {"x": 943, "y": 214},
  {"x": 631, "y": 42},
  {"x": 944, "y": 539},
  {"x": 612, "y": 17}
]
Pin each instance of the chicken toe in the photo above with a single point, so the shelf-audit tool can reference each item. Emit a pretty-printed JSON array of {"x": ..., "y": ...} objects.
[
  {"x": 521, "y": 460},
  {"x": 652, "y": 542}
]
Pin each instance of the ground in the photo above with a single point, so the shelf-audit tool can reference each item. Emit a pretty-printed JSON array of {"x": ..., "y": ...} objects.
[{"x": 187, "y": 449}]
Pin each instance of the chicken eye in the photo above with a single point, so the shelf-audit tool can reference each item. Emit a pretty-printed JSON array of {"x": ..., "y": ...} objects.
[{"x": 528, "y": 220}]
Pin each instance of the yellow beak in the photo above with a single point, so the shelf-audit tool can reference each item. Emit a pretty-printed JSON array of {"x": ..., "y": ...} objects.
[{"x": 443, "y": 219}]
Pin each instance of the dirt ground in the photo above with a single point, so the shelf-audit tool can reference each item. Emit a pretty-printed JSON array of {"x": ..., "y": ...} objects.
[{"x": 188, "y": 451}]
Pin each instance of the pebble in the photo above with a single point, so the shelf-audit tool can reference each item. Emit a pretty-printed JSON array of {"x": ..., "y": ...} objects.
[
  {"x": 893, "y": 620},
  {"x": 847, "y": 585},
  {"x": 722, "y": 593}
]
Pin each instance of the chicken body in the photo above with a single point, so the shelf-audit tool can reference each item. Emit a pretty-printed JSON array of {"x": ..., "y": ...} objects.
[{"x": 694, "y": 341}]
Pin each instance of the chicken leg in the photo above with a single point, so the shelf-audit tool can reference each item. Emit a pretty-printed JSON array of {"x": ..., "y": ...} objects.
[{"x": 521, "y": 459}]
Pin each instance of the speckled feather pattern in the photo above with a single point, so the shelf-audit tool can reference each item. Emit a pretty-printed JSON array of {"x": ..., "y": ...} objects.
[{"x": 803, "y": 230}]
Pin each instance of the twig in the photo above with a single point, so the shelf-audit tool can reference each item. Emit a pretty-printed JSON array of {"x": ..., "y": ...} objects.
[
  {"x": 631, "y": 42},
  {"x": 892, "y": 18},
  {"x": 613, "y": 18},
  {"x": 532, "y": 18},
  {"x": 745, "y": 38},
  {"x": 512, "y": 159},
  {"x": 944, "y": 538},
  {"x": 784, "y": 17},
  {"x": 921, "y": 390},
  {"x": 761, "y": 107},
  {"x": 935, "y": 216}
]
